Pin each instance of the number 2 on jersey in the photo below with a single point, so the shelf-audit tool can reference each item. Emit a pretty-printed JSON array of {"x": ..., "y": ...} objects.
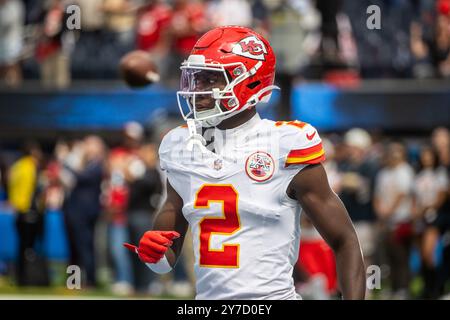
[{"x": 228, "y": 256}]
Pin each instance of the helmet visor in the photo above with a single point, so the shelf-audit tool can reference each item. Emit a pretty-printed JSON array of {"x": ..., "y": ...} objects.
[
  {"x": 201, "y": 80},
  {"x": 203, "y": 88}
]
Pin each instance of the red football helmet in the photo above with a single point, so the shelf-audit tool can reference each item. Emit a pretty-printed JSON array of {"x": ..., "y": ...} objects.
[{"x": 231, "y": 69}]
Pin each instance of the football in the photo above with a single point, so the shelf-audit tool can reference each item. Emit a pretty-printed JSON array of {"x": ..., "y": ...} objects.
[{"x": 138, "y": 69}]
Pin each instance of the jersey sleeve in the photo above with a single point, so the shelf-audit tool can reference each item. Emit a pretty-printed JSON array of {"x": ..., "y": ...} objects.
[
  {"x": 168, "y": 149},
  {"x": 302, "y": 144},
  {"x": 163, "y": 154}
]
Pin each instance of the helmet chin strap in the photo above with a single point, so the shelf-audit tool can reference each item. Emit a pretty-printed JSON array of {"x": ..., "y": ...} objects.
[{"x": 195, "y": 139}]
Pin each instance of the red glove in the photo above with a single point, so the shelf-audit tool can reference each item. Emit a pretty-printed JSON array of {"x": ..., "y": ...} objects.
[{"x": 153, "y": 245}]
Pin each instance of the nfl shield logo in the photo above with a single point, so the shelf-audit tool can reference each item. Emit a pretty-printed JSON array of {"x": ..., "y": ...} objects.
[{"x": 217, "y": 164}]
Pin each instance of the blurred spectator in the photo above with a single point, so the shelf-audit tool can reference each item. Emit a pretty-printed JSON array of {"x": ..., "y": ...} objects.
[
  {"x": 120, "y": 19},
  {"x": 357, "y": 181},
  {"x": 294, "y": 38},
  {"x": 442, "y": 44},
  {"x": 51, "y": 52},
  {"x": 229, "y": 13},
  {"x": 82, "y": 175},
  {"x": 24, "y": 197},
  {"x": 329, "y": 29},
  {"x": 430, "y": 185},
  {"x": 12, "y": 19},
  {"x": 92, "y": 15},
  {"x": 116, "y": 204},
  {"x": 91, "y": 42},
  {"x": 441, "y": 142},
  {"x": 188, "y": 23},
  {"x": 153, "y": 18},
  {"x": 422, "y": 64},
  {"x": 421, "y": 39},
  {"x": 152, "y": 35},
  {"x": 430, "y": 191},
  {"x": 53, "y": 191},
  {"x": 337, "y": 58},
  {"x": 393, "y": 206},
  {"x": 145, "y": 189}
]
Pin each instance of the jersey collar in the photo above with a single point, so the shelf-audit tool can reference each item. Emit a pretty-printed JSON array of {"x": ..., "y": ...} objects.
[
  {"x": 243, "y": 128},
  {"x": 227, "y": 138}
]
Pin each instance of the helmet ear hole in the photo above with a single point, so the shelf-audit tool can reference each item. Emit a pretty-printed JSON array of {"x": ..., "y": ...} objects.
[{"x": 254, "y": 84}]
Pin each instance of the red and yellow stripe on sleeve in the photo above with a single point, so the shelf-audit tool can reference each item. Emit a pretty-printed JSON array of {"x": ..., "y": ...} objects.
[{"x": 311, "y": 155}]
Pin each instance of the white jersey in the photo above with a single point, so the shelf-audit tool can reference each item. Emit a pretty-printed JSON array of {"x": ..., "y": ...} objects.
[{"x": 245, "y": 229}]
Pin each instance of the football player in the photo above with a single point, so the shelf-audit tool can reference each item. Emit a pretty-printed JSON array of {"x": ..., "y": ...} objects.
[{"x": 241, "y": 182}]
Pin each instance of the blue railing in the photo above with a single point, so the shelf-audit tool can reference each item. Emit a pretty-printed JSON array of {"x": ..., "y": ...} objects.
[
  {"x": 53, "y": 244},
  {"x": 392, "y": 105}
]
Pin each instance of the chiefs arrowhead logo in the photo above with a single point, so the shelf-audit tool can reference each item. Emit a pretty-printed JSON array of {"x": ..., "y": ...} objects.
[
  {"x": 260, "y": 166},
  {"x": 250, "y": 47}
]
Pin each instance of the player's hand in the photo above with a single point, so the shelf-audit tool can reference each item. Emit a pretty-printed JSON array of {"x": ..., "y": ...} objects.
[{"x": 153, "y": 245}]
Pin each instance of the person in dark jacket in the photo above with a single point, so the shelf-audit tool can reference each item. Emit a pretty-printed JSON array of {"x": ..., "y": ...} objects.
[
  {"x": 145, "y": 189},
  {"x": 83, "y": 174}
]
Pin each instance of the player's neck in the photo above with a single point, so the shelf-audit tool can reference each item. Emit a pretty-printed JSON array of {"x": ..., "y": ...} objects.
[{"x": 237, "y": 120}]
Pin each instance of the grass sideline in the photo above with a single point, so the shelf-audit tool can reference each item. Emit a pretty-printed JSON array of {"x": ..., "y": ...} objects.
[{"x": 8, "y": 292}]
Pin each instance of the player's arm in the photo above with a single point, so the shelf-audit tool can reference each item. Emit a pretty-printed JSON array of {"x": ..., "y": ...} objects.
[
  {"x": 311, "y": 189},
  {"x": 170, "y": 218},
  {"x": 160, "y": 248}
]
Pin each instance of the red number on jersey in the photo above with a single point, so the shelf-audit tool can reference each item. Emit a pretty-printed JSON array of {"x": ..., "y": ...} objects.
[{"x": 228, "y": 256}]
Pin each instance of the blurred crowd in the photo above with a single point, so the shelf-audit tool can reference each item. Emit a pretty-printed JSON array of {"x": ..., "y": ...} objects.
[
  {"x": 397, "y": 194},
  {"x": 90, "y": 184},
  {"x": 313, "y": 39}
]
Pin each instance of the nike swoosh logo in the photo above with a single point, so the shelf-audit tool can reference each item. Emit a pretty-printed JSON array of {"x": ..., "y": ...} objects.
[{"x": 311, "y": 136}]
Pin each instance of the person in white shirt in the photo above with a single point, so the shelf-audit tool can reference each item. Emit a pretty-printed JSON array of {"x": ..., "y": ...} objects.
[
  {"x": 393, "y": 206},
  {"x": 12, "y": 18},
  {"x": 430, "y": 188},
  {"x": 430, "y": 185}
]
